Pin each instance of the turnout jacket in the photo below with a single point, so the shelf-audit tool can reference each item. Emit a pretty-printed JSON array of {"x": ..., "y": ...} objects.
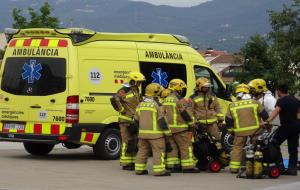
[
  {"x": 206, "y": 108},
  {"x": 151, "y": 120},
  {"x": 125, "y": 101}
]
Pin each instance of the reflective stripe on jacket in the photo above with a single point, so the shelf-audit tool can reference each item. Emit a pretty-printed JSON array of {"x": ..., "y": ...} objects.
[
  {"x": 245, "y": 114},
  {"x": 173, "y": 108},
  {"x": 148, "y": 114},
  {"x": 129, "y": 98},
  {"x": 207, "y": 109}
]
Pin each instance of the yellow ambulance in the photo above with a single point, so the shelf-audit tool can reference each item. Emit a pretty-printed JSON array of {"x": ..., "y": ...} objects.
[{"x": 56, "y": 84}]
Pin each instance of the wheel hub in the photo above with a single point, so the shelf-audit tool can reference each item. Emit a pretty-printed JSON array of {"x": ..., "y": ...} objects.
[{"x": 112, "y": 144}]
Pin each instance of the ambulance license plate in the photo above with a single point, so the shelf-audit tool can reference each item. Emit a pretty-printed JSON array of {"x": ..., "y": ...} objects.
[{"x": 13, "y": 126}]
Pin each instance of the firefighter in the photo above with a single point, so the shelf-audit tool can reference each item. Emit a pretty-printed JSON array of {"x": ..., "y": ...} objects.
[
  {"x": 125, "y": 102},
  {"x": 260, "y": 92},
  {"x": 152, "y": 131},
  {"x": 243, "y": 117},
  {"x": 207, "y": 110},
  {"x": 178, "y": 119}
]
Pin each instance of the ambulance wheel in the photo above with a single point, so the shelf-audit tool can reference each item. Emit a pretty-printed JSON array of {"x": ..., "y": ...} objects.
[
  {"x": 38, "y": 149},
  {"x": 108, "y": 146},
  {"x": 214, "y": 166},
  {"x": 274, "y": 172}
]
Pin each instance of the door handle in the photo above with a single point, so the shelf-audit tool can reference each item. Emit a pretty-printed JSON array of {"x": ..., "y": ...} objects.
[
  {"x": 35, "y": 106},
  {"x": 52, "y": 100}
]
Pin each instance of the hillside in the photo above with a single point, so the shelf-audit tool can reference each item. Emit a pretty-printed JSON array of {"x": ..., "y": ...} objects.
[{"x": 222, "y": 24}]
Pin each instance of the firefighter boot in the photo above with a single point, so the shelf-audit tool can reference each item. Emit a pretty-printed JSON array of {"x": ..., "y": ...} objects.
[
  {"x": 129, "y": 167},
  {"x": 144, "y": 172},
  {"x": 193, "y": 170},
  {"x": 175, "y": 170},
  {"x": 166, "y": 173}
]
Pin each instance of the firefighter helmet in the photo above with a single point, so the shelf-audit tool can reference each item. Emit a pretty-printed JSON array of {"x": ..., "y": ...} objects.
[
  {"x": 242, "y": 88},
  {"x": 177, "y": 85},
  {"x": 134, "y": 78},
  {"x": 165, "y": 93},
  {"x": 153, "y": 90},
  {"x": 258, "y": 85},
  {"x": 202, "y": 82}
]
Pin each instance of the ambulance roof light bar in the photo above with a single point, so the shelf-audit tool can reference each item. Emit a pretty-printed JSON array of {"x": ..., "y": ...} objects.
[
  {"x": 182, "y": 39},
  {"x": 74, "y": 31},
  {"x": 77, "y": 34},
  {"x": 9, "y": 32}
]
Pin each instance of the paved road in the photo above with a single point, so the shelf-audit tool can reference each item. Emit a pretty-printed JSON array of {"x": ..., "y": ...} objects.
[{"x": 77, "y": 169}]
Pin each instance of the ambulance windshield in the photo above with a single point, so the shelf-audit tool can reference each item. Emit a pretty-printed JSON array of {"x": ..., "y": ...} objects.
[{"x": 34, "y": 76}]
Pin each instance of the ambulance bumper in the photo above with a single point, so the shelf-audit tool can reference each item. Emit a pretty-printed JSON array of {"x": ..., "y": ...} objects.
[{"x": 71, "y": 134}]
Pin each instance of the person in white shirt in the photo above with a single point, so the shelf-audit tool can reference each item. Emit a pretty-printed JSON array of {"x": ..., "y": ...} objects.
[{"x": 262, "y": 94}]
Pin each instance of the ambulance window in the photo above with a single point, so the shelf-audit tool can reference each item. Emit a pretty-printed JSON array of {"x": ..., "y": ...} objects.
[
  {"x": 162, "y": 73},
  {"x": 217, "y": 88},
  {"x": 34, "y": 76}
]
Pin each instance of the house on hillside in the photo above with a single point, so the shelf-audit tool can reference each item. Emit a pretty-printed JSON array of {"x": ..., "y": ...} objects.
[{"x": 225, "y": 64}]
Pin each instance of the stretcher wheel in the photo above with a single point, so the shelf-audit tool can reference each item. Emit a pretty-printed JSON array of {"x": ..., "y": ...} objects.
[
  {"x": 274, "y": 172},
  {"x": 214, "y": 166}
]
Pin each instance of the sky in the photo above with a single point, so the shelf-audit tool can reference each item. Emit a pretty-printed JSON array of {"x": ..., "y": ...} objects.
[{"x": 177, "y": 3}]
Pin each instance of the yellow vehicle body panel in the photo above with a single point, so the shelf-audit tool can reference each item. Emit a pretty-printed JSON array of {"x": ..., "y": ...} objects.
[{"x": 95, "y": 69}]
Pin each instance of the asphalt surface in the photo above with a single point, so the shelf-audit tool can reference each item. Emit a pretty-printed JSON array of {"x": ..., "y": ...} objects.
[{"x": 77, "y": 169}]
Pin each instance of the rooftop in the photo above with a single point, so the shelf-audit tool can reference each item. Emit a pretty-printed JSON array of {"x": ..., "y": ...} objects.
[{"x": 81, "y": 36}]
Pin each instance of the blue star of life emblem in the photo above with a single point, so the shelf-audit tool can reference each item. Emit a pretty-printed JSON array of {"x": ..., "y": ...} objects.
[
  {"x": 31, "y": 71},
  {"x": 160, "y": 77}
]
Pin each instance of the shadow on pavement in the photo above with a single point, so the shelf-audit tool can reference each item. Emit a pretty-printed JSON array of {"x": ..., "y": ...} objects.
[{"x": 57, "y": 156}]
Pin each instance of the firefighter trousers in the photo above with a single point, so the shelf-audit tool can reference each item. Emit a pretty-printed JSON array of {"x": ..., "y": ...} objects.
[
  {"x": 237, "y": 152},
  {"x": 145, "y": 146},
  {"x": 181, "y": 144},
  {"x": 129, "y": 145},
  {"x": 214, "y": 131}
]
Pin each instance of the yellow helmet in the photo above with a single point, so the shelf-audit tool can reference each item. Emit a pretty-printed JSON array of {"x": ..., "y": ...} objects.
[
  {"x": 242, "y": 88},
  {"x": 202, "y": 82},
  {"x": 177, "y": 85},
  {"x": 153, "y": 89},
  {"x": 258, "y": 85},
  {"x": 165, "y": 93},
  {"x": 135, "y": 77}
]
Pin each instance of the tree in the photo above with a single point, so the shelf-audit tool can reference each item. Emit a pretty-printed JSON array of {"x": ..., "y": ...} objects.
[
  {"x": 257, "y": 62},
  {"x": 36, "y": 20},
  {"x": 285, "y": 44},
  {"x": 276, "y": 58}
]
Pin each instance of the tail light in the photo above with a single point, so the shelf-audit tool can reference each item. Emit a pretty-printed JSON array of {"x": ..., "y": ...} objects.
[{"x": 72, "y": 110}]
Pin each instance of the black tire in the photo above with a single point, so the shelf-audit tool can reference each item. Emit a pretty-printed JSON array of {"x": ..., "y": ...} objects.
[
  {"x": 108, "y": 146},
  {"x": 38, "y": 149}
]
